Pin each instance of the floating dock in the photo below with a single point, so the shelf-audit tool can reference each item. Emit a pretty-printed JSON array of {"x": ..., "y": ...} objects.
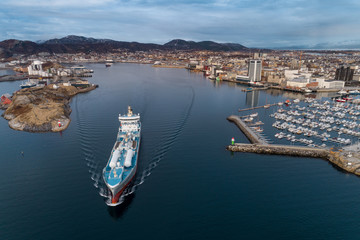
[{"x": 247, "y": 109}]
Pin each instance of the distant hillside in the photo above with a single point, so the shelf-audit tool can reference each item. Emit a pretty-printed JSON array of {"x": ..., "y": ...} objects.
[
  {"x": 180, "y": 44},
  {"x": 77, "y": 44},
  {"x": 12, "y": 46},
  {"x": 72, "y": 39},
  {"x": 326, "y": 46}
]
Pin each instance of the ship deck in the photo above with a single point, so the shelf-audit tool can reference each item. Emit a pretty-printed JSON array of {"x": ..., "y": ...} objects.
[{"x": 117, "y": 174}]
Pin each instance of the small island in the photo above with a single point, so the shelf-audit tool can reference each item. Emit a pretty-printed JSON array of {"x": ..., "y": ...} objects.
[
  {"x": 43, "y": 109},
  {"x": 43, "y": 102}
]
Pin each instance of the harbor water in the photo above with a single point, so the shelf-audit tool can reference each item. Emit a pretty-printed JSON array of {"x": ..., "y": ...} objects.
[
  {"x": 187, "y": 186},
  {"x": 4, "y": 72}
]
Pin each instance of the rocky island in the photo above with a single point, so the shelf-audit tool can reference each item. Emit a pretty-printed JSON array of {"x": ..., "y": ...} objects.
[{"x": 42, "y": 109}]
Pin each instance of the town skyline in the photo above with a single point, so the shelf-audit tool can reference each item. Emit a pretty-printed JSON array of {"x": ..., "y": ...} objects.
[{"x": 254, "y": 24}]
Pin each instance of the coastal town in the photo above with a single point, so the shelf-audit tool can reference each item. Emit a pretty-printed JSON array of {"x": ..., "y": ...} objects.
[{"x": 301, "y": 71}]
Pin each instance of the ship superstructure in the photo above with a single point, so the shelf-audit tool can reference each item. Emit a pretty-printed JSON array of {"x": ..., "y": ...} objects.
[{"x": 122, "y": 164}]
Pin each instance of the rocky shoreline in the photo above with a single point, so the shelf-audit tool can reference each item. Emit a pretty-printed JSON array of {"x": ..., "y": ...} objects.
[{"x": 42, "y": 109}]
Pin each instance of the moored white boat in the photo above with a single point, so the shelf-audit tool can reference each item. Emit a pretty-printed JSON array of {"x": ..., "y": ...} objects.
[{"x": 342, "y": 91}]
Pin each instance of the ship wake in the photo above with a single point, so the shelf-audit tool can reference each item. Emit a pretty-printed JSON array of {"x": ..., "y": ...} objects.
[
  {"x": 160, "y": 130},
  {"x": 169, "y": 130}
]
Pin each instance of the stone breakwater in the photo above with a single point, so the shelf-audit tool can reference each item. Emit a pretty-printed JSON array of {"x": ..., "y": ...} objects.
[
  {"x": 41, "y": 109},
  {"x": 346, "y": 160},
  {"x": 280, "y": 150}
]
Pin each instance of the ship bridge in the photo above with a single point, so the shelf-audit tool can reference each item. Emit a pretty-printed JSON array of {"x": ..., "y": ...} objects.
[{"x": 129, "y": 122}]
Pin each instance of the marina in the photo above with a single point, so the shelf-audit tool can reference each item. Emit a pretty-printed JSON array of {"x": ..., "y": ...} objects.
[
  {"x": 310, "y": 128},
  {"x": 327, "y": 123}
]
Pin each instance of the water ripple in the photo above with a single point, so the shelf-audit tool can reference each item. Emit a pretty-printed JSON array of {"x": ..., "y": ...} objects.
[{"x": 165, "y": 127}]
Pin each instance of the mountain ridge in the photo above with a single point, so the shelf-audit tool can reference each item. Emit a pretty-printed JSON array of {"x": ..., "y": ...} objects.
[
  {"x": 204, "y": 45},
  {"x": 78, "y": 44}
]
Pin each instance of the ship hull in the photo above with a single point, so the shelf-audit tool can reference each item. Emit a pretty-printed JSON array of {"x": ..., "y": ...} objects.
[
  {"x": 117, "y": 190},
  {"x": 27, "y": 86}
]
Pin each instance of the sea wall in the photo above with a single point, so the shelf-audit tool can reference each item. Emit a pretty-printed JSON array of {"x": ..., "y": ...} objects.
[
  {"x": 346, "y": 160},
  {"x": 280, "y": 150}
]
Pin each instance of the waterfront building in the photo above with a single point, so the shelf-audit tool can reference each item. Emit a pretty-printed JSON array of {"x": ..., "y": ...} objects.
[
  {"x": 302, "y": 82},
  {"x": 345, "y": 73},
  {"x": 36, "y": 69},
  {"x": 299, "y": 82},
  {"x": 255, "y": 70},
  {"x": 332, "y": 84},
  {"x": 242, "y": 78}
]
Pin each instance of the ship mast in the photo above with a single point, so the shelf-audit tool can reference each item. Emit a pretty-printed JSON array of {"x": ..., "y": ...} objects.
[{"x": 130, "y": 113}]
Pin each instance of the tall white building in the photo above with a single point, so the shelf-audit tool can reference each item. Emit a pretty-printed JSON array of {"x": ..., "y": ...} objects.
[
  {"x": 255, "y": 70},
  {"x": 35, "y": 69}
]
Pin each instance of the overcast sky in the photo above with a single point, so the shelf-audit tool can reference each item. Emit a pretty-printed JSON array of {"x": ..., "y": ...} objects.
[{"x": 253, "y": 23}]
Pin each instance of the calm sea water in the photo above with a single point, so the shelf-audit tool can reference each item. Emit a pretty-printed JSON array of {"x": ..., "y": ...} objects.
[
  {"x": 4, "y": 72},
  {"x": 187, "y": 187}
]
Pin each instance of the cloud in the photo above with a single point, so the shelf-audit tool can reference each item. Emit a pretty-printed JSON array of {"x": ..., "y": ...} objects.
[
  {"x": 254, "y": 23},
  {"x": 56, "y": 3}
]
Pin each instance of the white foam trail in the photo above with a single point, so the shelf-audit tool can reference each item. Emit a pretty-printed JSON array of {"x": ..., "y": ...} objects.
[{"x": 169, "y": 130}]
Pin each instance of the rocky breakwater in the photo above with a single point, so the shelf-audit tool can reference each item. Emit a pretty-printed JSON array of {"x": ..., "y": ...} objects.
[
  {"x": 42, "y": 109},
  {"x": 347, "y": 160},
  {"x": 280, "y": 150}
]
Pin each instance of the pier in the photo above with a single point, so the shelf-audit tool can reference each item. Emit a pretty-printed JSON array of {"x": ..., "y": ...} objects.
[
  {"x": 168, "y": 66},
  {"x": 82, "y": 75},
  {"x": 255, "y": 89},
  {"x": 265, "y": 106},
  {"x": 249, "y": 133},
  {"x": 301, "y": 91}
]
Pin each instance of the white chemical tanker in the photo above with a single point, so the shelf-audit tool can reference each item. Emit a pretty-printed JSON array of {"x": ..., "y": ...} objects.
[{"x": 122, "y": 164}]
